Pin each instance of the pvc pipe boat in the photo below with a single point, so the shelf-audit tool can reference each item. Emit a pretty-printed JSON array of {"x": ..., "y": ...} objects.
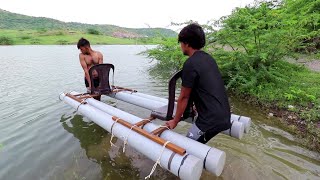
[
  {"x": 184, "y": 166},
  {"x": 188, "y": 166}
]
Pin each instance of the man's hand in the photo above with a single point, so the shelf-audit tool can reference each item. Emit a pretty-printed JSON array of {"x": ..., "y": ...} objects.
[
  {"x": 172, "y": 123},
  {"x": 89, "y": 90}
]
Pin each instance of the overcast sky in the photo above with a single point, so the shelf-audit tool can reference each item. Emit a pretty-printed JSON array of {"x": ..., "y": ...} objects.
[{"x": 125, "y": 13}]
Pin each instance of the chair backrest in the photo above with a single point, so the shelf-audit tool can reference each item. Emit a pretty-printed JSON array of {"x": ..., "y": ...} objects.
[
  {"x": 166, "y": 112},
  {"x": 172, "y": 93},
  {"x": 99, "y": 77}
]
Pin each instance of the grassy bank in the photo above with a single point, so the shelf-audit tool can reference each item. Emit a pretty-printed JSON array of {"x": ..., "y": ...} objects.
[
  {"x": 63, "y": 37},
  {"x": 294, "y": 97}
]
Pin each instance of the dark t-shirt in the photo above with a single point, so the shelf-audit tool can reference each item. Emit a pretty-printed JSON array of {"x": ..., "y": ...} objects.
[{"x": 200, "y": 72}]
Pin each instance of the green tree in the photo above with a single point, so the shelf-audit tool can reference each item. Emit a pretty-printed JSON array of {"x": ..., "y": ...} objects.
[
  {"x": 6, "y": 41},
  {"x": 169, "y": 54},
  {"x": 93, "y": 31}
]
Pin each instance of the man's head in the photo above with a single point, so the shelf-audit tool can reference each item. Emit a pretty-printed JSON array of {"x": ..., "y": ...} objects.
[
  {"x": 84, "y": 46},
  {"x": 191, "y": 37}
]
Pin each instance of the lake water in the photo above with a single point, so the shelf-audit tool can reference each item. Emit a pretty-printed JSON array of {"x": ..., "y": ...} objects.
[{"x": 43, "y": 138}]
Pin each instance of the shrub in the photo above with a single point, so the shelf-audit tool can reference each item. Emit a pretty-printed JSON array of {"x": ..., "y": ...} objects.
[
  {"x": 93, "y": 31},
  {"x": 6, "y": 41}
]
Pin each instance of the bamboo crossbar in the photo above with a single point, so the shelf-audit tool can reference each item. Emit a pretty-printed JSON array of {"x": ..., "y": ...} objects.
[
  {"x": 76, "y": 98},
  {"x": 150, "y": 136},
  {"x": 159, "y": 131},
  {"x": 124, "y": 89}
]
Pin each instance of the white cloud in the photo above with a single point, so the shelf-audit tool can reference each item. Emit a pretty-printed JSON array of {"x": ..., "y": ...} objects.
[{"x": 126, "y": 13}]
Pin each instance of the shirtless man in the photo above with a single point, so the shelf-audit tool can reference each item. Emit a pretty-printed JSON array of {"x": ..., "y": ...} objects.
[{"x": 88, "y": 58}]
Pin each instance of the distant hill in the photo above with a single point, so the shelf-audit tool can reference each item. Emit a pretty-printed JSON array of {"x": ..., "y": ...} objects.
[{"x": 15, "y": 21}]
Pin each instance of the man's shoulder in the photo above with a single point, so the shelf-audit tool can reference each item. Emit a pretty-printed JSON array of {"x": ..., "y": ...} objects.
[
  {"x": 98, "y": 53},
  {"x": 197, "y": 55},
  {"x": 81, "y": 55},
  {"x": 191, "y": 60},
  {"x": 202, "y": 53},
  {"x": 189, "y": 64},
  {"x": 206, "y": 57}
]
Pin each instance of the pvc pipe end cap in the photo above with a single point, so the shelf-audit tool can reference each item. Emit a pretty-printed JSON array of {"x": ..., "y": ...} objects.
[
  {"x": 215, "y": 161},
  {"x": 195, "y": 173}
]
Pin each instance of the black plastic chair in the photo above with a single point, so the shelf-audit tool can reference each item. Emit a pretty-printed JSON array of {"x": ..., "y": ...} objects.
[
  {"x": 166, "y": 112},
  {"x": 99, "y": 77}
]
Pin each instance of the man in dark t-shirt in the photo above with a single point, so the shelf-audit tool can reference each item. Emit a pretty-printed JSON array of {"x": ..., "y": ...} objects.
[{"x": 203, "y": 85}]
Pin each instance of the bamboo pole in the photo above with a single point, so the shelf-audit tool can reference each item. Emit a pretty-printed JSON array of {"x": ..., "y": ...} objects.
[
  {"x": 123, "y": 88},
  {"x": 76, "y": 99},
  {"x": 154, "y": 138},
  {"x": 89, "y": 96},
  {"x": 159, "y": 131},
  {"x": 144, "y": 122}
]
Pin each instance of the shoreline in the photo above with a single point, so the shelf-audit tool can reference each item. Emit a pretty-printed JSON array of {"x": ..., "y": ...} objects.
[{"x": 309, "y": 136}]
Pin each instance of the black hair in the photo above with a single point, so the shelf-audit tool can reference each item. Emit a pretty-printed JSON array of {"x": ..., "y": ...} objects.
[
  {"x": 193, "y": 35},
  {"x": 82, "y": 43}
]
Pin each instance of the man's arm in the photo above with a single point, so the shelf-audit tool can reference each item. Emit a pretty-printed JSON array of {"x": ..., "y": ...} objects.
[
  {"x": 181, "y": 106},
  {"x": 100, "y": 58},
  {"x": 85, "y": 69}
]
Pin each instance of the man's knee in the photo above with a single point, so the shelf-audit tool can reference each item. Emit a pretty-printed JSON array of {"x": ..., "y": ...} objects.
[
  {"x": 194, "y": 132},
  {"x": 203, "y": 137},
  {"x": 208, "y": 136}
]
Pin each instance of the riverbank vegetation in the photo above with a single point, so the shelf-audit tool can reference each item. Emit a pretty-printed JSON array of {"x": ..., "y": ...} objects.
[
  {"x": 18, "y": 29},
  {"x": 65, "y": 37},
  {"x": 251, "y": 47}
]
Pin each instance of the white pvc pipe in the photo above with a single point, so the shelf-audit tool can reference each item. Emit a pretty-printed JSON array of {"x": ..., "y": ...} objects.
[
  {"x": 138, "y": 101},
  {"x": 155, "y": 98},
  {"x": 244, "y": 120},
  {"x": 214, "y": 158},
  {"x": 186, "y": 167},
  {"x": 237, "y": 128}
]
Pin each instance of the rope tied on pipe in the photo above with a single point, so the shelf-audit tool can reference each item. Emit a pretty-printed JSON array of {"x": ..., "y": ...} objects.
[
  {"x": 125, "y": 142},
  {"x": 158, "y": 161},
  {"x": 114, "y": 88},
  {"x": 82, "y": 102},
  {"x": 65, "y": 94},
  {"x": 112, "y": 135},
  {"x": 164, "y": 127},
  {"x": 151, "y": 136},
  {"x": 60, "y": 95}
]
